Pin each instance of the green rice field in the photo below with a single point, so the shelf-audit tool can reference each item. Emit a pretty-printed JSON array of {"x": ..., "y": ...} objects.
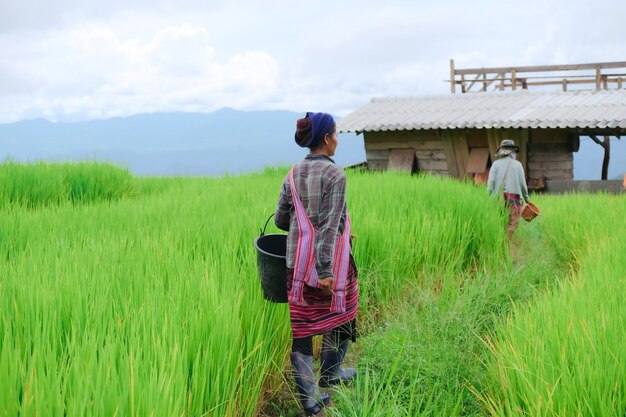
[{"x": 127, "y": 296}]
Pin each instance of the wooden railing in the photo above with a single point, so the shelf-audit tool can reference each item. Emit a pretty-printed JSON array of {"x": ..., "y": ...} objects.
[{"x": 473, "y": 80}]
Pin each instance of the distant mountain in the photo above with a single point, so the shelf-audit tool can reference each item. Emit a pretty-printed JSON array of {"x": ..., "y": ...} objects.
[
  {"x": 198, "y": 144},
  {"x": 224, "y": 141}
]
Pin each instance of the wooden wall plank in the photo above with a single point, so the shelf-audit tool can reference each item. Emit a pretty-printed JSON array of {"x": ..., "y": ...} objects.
[
  {"x": 401, "y": 160},
  {"x": 549, "y": 156},
  {"x": 554, "y": 175},
  {"x": 448, "y": 147},
  {"x": 422, "y": 146},
  {"x": 534, "y": 166},
  {"x": 461, "y": 150},
  {"x": 400, "y": 136},
  {"x": 539, "y": 136},
  {"x": 438, "y": 155},
  {"x": 431, "y": 165},
  {"x": 550, "y": 148},
  {"x": 376, "y": 154},
  {"x": 524, "y": 138},
  {"x": 493, "y": 142},
  {"x": 377, "y": 164},
  {"x": 477, "y": 138}
]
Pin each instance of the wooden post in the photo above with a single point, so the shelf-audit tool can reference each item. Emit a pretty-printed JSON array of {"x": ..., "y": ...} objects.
[
  {"x": 607, "y": 156},
  {"x": 619, "y": 83},
  {"x": 452, "y": 77},
  {"x": 605, "y": 82},
  {"x": 564, "y": 82},
  {"x": 598, "y": 78},
  {"x": 448, "y": 146},
  {"x": 501, "y": 86},
  {"x": 523, "y": 150},
  {"x": 484, "y": 81},
  {"x": 463, "y": 90},
  {"x": 513, "y": 79}
]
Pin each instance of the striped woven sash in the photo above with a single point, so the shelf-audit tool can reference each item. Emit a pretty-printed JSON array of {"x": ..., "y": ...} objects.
[{"x": 304, "y": 268}]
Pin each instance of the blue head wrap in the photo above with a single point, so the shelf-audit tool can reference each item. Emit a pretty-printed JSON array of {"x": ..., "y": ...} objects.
[{"x": 310, "y": 130}]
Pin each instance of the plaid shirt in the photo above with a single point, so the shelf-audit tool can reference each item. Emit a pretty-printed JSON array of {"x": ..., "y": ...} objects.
[{"x": 321, "y": 186}]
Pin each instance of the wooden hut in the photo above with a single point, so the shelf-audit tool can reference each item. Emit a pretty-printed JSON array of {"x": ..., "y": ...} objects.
[{"x": 457, "y": 135}]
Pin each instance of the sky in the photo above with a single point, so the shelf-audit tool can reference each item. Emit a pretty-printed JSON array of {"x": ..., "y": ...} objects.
[{"x": 69, "y": 60}]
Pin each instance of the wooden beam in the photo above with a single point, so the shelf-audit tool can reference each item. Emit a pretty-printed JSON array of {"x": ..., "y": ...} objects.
[
  {"x": 433, "y": 145},
  {"x": 513, "y": 79},
  {"x": 452, "y": 77},
  {"x": 493, "y": 142},
  {"x": 535, "y": 166},
  {"x": 487, "y": 83},
  {"x": 607, "y": 157},
  {"x": 536, "y": 156},
  {"x": 461, "y": 150},
  {"x": 523, "y": 149},
  {"x": 448, "y": 147},
  {"x": 542, "y": 68},
  {"x": 601, "y": 131},
  {"x": 598, "y": 77},
  {"x": 473, "y": 82},
  {"x": 596, "y": 140},
  {"x": 560, "y": 82}
]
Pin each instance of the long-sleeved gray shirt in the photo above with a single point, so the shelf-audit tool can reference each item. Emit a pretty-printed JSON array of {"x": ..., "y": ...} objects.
[
  {"x": 515, "y": 181},
  {"x": 321, "y": 186}
]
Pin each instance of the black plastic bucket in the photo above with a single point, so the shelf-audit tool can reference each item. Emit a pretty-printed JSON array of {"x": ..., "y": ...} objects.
[{"x": 271, "y": 263}]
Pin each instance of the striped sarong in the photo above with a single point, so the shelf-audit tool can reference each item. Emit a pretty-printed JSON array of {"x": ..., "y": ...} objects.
[{"x": 314, "y": 315}]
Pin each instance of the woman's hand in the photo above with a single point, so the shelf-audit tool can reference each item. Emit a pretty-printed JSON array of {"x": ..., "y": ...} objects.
[{"x": 327, "y": 284}]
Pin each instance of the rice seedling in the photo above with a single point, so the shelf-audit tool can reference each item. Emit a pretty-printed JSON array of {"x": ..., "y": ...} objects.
[
  {"x": 562, "y": 354},
  {"x": 130, "y": 296}
]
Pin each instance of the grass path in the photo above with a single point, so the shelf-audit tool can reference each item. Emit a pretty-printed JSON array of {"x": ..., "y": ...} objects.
[{"x": 425, "y": 355}]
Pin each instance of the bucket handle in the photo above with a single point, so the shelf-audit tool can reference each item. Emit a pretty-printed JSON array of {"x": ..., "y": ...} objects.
[{"x": 262, "y": 231}]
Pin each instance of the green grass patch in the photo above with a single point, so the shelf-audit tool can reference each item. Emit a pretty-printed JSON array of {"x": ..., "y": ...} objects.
[
  {"x": 563, "y": 354},
  {"x": 42, "y": 184},
  {"x": 152, "y": 306}
]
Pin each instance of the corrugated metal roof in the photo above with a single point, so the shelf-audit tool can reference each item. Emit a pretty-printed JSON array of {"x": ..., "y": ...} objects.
[{"x": 584, "y": 109}]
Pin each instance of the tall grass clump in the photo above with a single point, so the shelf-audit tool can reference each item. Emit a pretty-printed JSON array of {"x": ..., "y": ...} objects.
[
  {"x": 41, "y": 184},
  {"x": 146, "y": 306},
  {"x": 563, "y": 354},
  {"x": 414, "y": 228},
  {"x": 152, "y": 305},
  {"x": 433, "y": 256}
]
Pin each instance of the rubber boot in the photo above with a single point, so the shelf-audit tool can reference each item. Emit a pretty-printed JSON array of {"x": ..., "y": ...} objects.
[
  {"x": 310, "y": 398},
  {"x": 332, "y": 356}
]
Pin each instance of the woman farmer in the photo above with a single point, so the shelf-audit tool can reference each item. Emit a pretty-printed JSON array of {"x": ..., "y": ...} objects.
[
  {"x": 507, "y": 176},
  {"x": 321, "y": 273}
]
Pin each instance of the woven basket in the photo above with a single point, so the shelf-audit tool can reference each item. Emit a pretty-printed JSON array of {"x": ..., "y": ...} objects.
[{"x": 530, "y": 211}]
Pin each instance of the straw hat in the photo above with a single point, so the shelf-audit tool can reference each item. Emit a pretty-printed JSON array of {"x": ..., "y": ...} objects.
[{"x": 507, "y": 147}]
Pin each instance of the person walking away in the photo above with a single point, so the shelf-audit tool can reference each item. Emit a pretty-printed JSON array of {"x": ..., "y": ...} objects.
[
  {"x": 506, "y": 177},
  {"x": 321, "y": 272}
]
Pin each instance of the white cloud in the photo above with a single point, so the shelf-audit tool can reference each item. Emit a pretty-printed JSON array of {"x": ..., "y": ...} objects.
[
  {"x": 71, "y": 59},
  {"x": 100, "y": 75}
]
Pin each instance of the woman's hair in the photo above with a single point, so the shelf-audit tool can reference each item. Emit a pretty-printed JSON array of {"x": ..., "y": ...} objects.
[
  {"x": 303, "y": 130},
  {"x": 310, "y": 130}
]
